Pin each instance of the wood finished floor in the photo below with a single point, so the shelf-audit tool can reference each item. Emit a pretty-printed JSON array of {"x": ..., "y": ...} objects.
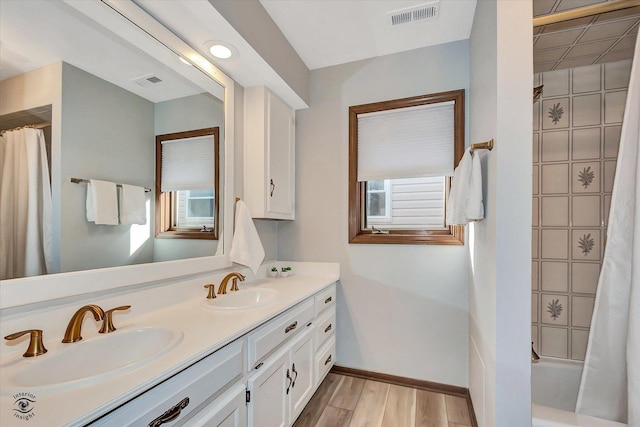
[{"x": 355, "y": 402}]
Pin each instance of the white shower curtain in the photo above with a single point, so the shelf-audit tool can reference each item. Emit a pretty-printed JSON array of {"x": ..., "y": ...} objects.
[
  {"x": 610, "y": 386},
  {"x": 25, "y": 204}
]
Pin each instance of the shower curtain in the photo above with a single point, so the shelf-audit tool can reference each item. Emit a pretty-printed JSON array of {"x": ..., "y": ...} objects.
[
  {"x": 25, "y": 204},
  {"x": 610, "y": 386}
]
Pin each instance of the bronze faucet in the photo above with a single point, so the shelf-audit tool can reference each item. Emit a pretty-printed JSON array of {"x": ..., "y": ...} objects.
[
  {"x": 75, "y": 324},
  {"x": 36, "y": 347},
  {"x": 234, "y": 286}
]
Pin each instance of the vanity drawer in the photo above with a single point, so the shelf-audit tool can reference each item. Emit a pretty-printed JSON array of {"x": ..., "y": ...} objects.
[
  {"x": 325, "y": 299},
  {"x": 325, "y": 359},
  {"x": 187, "y": 390},
  {"x": 266, "y": 338},
  {"x": 325, "y": 326}
]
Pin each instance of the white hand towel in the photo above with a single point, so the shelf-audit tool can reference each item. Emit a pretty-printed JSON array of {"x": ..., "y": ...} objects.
[
  {"x": 133, "y": 205},
  {"x": 465, "y": 198},
  {"x": 102, "y": 202},
  {"x": 246, "y": 247}
]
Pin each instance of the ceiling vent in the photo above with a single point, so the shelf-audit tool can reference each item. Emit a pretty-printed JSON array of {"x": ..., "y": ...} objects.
[
  {"x": 147, "y": 80},
  {"x": 421, "y": 12}
]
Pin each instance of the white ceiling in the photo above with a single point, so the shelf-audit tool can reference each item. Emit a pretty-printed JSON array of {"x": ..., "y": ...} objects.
[{"x": 326, "y": 33}]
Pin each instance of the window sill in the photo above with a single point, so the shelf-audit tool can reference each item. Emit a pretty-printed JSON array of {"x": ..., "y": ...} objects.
[{"x": 453, "y": 236}]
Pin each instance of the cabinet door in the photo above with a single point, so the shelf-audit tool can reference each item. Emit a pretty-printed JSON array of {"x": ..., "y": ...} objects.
[
  {"x": 269, "y": 389},
  {"x": 229, "y": 410},
  {"x": 302, "y": 386},
  {"x": 280, "y": 168}
]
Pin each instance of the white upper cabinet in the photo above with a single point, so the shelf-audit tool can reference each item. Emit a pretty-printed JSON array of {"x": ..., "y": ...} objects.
[{"x": 269, "y": 155}]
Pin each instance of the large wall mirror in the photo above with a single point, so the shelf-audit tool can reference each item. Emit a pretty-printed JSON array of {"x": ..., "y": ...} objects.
[{"x": 97, "y": 79}]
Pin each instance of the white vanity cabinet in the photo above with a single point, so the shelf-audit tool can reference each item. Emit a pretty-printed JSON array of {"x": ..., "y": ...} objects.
[
  {"x": 197, "y": 388},
  {"x": 269, "y": 162}
]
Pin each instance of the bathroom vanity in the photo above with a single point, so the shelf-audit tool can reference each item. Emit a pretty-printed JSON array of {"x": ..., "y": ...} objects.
[{"x": 252, "y": 357}]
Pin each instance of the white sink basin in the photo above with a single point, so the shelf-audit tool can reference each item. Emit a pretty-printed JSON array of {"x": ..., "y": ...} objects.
[
  {"x": 88, "y": 360},
  {"x": 243, "y": 299}
]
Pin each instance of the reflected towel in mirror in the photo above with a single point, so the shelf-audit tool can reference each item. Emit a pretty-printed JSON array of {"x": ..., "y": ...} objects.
[
  {"x": 133, "y": 209},
  {"x": 102, "y": 202}
]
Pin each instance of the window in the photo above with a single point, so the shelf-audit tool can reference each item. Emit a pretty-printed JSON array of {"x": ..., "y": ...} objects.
[
  {"x": 402, "y": 154},
  {"x": 187, "y": 182}
]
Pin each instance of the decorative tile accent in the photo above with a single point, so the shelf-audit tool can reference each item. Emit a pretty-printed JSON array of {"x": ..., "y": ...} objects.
[
  {"x": 556, "y": 83},
  {"x": 585, "y": 245},
  {"x": 534, "y": 243},
  {"x": 555, "y": 146},
  {"x": 555, "y": 179},
  {"x": 555, "y": 211},
  {"x": 554, "y": 309},
  {"x": 555, "y": 113},
  {"x": 586, "y": 211},
  {"x": 616, "y": 74},
  {"x": 609, "y": 175},
  {"x": 579, "y": 340},
  {"x": 586, "y": 144},
  {"x": 534, "y": 275},
  {"x": 586, "y": 177},
  {"x": 534, "y": 214},
  {"x": 555, "y": 276},
  {"x": 535, "y": 179},
  {"x": 586, "y": 110},
  {"x": 612, "y": 141},
  {"x": 614, "y": 106},
  {"x": 536, "y": 147},
  {"x": 554, "y": 342},
  {"x": 584, "y": 277},
  {"x": 554, "y": 244},
  {"x": 534, "y": 307},
  {"x": 586, "y": 79},
  {"x": 581, "y": 311}
]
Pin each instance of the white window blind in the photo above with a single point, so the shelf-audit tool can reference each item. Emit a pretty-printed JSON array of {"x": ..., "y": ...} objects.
[
  {"x": 188, "y": 164},
  {"x": 406, "y": 142}
]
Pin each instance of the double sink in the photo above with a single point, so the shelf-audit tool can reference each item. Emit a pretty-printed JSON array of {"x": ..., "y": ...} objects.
[{"x": 128, "y": 348}]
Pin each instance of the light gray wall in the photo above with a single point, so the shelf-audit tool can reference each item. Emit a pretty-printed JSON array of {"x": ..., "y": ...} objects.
[
  {"x": 180, "y": 115},
  {"x": 107, "y": 133},
  {"x": 402, "y": 309},
  {"x": 500, "y": 245}
]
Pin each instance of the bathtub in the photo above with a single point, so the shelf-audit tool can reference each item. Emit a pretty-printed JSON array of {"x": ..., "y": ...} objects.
[{"x": 554, "y": 391}]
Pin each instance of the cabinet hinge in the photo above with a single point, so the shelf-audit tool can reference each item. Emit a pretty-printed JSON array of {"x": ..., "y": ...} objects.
[{"x": 248, "y": 396}]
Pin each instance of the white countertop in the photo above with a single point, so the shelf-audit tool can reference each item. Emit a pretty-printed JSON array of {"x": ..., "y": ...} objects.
[{"x": 205, "y": 331}]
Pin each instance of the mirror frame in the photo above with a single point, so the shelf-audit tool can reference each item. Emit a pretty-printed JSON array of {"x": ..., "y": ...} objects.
[{"x": 135, "y": 25}]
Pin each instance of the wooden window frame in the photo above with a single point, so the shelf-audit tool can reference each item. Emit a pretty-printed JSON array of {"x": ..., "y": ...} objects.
[
  {"x": 451, "y": 235},
  {"x": 166, "y": 201}
]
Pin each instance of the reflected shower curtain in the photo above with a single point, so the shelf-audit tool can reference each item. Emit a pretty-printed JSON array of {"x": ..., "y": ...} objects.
[
  {"x": 610, "y": 386},
  {"x": 25, "y": 204}
]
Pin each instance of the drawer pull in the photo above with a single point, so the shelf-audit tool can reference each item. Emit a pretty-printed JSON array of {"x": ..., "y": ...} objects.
[
  {"x": 259, "y": 365},
  {"x": 328, "y": 300},
  {"x": 171, "y": 414},
  {"x": 327, "y": 361},
  {"x": 291, "y": 327},
  {"x": 327, "y": 329},
  {"x": 293, "y": 383}
]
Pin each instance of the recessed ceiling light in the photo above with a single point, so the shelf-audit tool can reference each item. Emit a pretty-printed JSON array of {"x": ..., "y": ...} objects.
[
  {"x": 221, "y": 50},
  {"x": 184, "y": 61}
]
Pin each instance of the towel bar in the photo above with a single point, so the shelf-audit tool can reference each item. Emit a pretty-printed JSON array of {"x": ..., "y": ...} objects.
[{"x": 86, "y": 181}]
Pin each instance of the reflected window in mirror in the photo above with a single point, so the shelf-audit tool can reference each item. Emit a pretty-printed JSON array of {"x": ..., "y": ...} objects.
[{"x": 187, "y": 184}]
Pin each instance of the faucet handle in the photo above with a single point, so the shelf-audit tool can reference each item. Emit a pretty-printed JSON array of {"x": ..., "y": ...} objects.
[
  {"x": 107, "y": 322},
  {"x": 36, "y": 347},
  {"x": 234, "y": 284},
  {"x": 212, "y": 290}
]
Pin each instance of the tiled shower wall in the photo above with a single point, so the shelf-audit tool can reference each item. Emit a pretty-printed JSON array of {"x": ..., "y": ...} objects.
[{"x": 576, "y": 133}]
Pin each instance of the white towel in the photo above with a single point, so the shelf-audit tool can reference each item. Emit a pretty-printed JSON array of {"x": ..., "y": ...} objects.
[
  {"x": 133, "y": 205},
  {"x": 465, "y": 198},
  {"x": 246, "y": 247},
  {"x": 102, "y": 202}
]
